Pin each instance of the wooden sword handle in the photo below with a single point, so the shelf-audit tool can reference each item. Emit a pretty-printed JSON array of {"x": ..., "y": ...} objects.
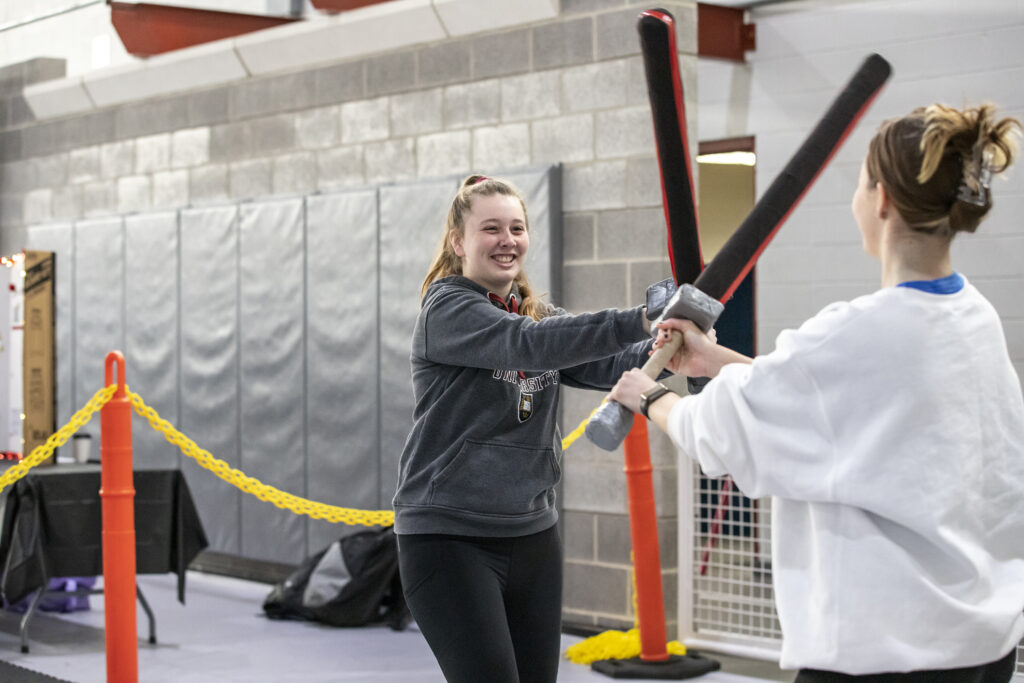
[{"x": 661, "y": 356}]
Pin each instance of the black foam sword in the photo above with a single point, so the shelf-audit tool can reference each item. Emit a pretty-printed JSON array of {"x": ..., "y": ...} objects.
[{"x": 703, "y": 300}]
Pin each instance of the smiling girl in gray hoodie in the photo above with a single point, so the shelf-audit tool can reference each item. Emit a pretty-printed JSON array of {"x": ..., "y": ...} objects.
[{"x": 475, "y": 506}]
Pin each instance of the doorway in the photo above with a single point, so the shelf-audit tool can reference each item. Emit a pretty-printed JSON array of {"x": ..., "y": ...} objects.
[{"x": 732, "y": 604}]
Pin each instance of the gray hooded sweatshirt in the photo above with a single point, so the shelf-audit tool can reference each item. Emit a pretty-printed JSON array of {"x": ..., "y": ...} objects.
[{"x": 484, "y": 453}]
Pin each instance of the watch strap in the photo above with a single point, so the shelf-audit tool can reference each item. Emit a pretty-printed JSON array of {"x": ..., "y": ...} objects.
[{"x": 650, "y": 396}]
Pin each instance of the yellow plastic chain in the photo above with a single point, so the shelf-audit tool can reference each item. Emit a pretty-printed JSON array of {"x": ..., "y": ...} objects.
[
  {"x": 614, "y": 645},
  {"x": 301, "y": 506},
  {"x": 58, "y": 438},
  {"x": 578, "y": 432},
  {"x": 607, "y": 645},
  {"x": 281, "y": 499}
]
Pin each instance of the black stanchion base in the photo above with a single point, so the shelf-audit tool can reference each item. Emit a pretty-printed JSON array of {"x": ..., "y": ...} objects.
[{"x": 675, "y": 668}]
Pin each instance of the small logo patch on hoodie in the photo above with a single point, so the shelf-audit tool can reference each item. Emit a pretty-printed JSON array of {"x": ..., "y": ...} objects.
[{"x": 525, "y": 406}]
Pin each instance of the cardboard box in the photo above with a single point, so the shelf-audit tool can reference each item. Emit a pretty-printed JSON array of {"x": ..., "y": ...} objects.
[{"x": 39, "y": 346}]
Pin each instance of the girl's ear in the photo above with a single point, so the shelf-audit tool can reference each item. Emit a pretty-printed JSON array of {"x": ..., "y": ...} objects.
[
  {"x": 883, "y": 205},
  {"x": 455, "y": 239}
]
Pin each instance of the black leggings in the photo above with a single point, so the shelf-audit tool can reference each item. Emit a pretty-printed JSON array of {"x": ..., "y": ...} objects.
[
  {"x": 1000, "y": 671},
  {"x": 490, "y": 608}
]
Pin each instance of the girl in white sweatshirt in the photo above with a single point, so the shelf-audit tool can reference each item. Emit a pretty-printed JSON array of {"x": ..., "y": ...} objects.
[{"x": 888, "y": 430}]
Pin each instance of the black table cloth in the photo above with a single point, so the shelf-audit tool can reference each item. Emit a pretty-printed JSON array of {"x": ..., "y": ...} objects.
[{"x": 52, "y": 527}]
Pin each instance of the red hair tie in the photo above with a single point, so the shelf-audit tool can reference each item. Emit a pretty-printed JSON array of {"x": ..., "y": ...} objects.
[{"x": 481, "y": 179}]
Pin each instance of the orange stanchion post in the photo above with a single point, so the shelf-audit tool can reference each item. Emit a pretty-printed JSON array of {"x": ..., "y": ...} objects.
[
  {"x": 643, "y": 525},
  {"x": 118, "y": 495},
  {"x": 654, "y": 661}
]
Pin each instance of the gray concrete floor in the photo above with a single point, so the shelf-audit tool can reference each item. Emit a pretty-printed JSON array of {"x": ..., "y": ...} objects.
[{"x": 221, "y": 635}]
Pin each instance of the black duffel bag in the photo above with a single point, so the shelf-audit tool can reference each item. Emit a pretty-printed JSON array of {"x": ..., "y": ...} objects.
[{"x": 352, "y": 582}]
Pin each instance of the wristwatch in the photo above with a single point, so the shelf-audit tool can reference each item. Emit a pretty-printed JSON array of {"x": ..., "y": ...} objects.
[{"x": 650, "y": 396}]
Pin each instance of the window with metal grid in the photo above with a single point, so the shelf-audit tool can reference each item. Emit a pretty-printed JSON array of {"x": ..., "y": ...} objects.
[{"x": 732, "y": 573}]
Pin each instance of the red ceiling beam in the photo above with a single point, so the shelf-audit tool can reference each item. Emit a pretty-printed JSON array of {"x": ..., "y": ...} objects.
[
  {"x": 721, "y": 33},
  {"x": 148, "y": 29}
]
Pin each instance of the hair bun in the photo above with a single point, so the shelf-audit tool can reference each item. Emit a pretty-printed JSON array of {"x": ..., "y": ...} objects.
[
  {"x": 937, "y": 164},
  {"x": 989, "y": 149}
]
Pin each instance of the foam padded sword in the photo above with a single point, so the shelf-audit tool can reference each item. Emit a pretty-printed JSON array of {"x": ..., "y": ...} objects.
[
  {"x": 665, "y": 92},
  {"x": 716, "y": 283}
]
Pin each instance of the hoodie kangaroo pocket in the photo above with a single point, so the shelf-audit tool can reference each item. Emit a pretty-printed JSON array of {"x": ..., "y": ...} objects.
[{"x": 496, "y": 478}]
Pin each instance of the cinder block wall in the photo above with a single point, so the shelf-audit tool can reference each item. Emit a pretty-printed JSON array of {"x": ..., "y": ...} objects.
[
  {"x": 570, "y": 90},
  {"x": 960, "y": 53}
]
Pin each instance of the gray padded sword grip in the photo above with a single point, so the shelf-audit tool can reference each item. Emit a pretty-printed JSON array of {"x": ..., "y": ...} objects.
[
  {"x": 692, "y": 304},
  {"x": 609, "y": 425}
]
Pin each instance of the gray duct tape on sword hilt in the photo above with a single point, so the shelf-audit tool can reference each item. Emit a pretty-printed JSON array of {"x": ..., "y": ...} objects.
[{"x": 612, "y": 421}]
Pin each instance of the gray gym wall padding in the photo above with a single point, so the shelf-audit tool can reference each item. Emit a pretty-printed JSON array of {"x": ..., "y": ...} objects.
[
  {"x": 275, "y": 334},
  {"x": 151, "y": 328}
]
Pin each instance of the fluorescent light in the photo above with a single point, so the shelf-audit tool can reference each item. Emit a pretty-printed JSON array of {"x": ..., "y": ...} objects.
[{"x": 734, "y": 158}]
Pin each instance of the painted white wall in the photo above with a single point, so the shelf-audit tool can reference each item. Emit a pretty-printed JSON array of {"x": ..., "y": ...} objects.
[
  {"x": 950, "y": 51},
  {"x": 86, "y": 38},
  {"x": 12, "y": 11}
]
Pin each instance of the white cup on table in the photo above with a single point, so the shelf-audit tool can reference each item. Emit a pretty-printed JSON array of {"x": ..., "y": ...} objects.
[{"x": 82, "y": 443}]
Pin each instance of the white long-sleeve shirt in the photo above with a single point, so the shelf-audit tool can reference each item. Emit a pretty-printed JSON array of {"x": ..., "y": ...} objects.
[{"x": 890, "y": 433}]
